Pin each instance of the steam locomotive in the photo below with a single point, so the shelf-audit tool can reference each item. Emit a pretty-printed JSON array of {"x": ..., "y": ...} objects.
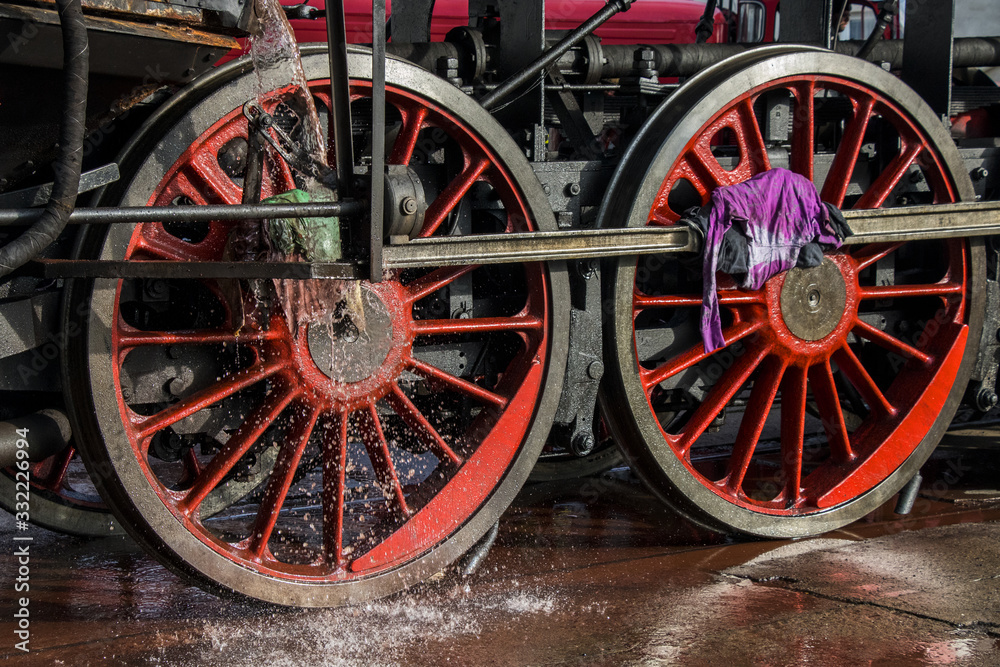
[{"x": 510, "y": 282}]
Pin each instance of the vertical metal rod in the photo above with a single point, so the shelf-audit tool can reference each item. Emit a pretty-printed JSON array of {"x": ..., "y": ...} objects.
[
  {"x": 340, "y": 96},
  {"x": 378, "y": 137},
  {"x": 254, "y": 176}
]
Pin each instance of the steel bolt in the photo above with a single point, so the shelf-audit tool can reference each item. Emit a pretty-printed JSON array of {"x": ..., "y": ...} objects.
[
  {"x": 587, "y": 268},
  {"x": 986, "y": 399},
  {"x": 979, "y": 173},
  {"x": 180, "y": 383},
  {"x": 176, "y": 386},
  {"x": 408, "y": 206},
  {"x": 595, "y": 371},
  {"x": 546, "y": 189},
  {"x": 573, "y": 189},
  {"x": 582, "y": 444}
]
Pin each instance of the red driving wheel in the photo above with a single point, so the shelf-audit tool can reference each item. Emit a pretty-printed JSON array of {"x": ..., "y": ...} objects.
[
  {"x": 835, "y": 382},
  {"x": 339, "y": 461}
]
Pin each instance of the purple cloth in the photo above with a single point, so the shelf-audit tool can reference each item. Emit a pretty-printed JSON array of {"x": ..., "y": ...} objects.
[{"x": 779, "y": 212}]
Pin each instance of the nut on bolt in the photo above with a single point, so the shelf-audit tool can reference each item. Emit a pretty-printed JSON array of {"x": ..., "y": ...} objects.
[
  {"x": 408, "y": 206},
  {"x": 986, "y": 399},
  {"x": 582, "y": 444}
]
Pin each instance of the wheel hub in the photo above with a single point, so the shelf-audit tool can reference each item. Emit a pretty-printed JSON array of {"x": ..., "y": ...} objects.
[
  {"x": 346, "y": 353},
  {"x": 813, "y": 300}
]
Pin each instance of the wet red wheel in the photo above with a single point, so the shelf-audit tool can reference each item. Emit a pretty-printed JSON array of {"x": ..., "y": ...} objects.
[
  {"x": 63, "y": 498},
  {"x": 337, "y": 462},
  {"x": 836, "y": 382}
]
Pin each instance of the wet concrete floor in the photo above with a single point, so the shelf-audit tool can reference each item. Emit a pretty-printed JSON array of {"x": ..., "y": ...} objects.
[{"x": 588, "y": 572}]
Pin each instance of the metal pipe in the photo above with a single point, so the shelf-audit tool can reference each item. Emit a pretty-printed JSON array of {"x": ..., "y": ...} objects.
[
  {"x": 194, "y": 270},
  {"x": 375, "y": 231},
  {"x": 706, "y": 26},
  {"x": 549, "y": 57},
  {"x": 99, "y": 216},
  {"x": 961, "y": 220},
  {"x": 340, "y": 96},
  {"x": 885, "y": 17},
  {"x": 689, "y": 59},
  {"x": 39, "y": 436},
  {"x": 904, "y": 504}
]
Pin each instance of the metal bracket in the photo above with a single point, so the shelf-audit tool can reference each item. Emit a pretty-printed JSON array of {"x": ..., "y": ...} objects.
[
  {"x": 39, "y": 194},
  {"x": 292, "y": 153},
  {"x": 928, "y": 46}
]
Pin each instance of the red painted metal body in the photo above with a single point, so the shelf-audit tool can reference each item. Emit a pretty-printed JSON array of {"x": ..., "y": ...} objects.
[{"x": 651, "y": 21}]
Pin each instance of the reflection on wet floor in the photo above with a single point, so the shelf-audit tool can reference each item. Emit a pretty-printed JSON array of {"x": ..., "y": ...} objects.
[{"x": 591, "y": 571}]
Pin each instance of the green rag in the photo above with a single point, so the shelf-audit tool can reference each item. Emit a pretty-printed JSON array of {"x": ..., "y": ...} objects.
[{"x": 312, "y": 239}]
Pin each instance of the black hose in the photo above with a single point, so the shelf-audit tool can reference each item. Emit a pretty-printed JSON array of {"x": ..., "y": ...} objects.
[
  {"x": 885, "y": 17},
  {"x": 76, "y": 63},
  {"x": 706, "y": 26}
]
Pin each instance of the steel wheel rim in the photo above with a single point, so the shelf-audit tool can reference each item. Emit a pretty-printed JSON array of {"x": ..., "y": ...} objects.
[
  {"x": 487, "y": 478},
  {"x": 689, "y": 488}
]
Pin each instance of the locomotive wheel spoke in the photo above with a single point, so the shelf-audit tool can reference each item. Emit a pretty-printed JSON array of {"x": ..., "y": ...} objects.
[
  {"x": 729, "y": 298},
  {"x": 835, "y": 187},
  {"x": 207, "y": 176},
  {"x": 753, "y": 154},
  {"x": 793, "y": 425},
  {"x": 280, "y": 481},
  {"x": 804, "y": 129},
  {"x": 867, "y": 255},
  {"x": 415, "y": 419},
  {"x": 245, "y": 437},
  {"x": 704, "y": 170},
  {"x": 891, "y": 343},
  {"x": 446, "y": 201},
  {"x": 378, "y": 453},
  {"x": 858, "y": 376},
  {"x": 434, "y": 281},
  {"x": 905, "y": 291},
  {"x": 458, "y": 384},
  {"x": 406, "y": 140},
  {"x": 883, "y": 186},
  {"x": 691, "y": 356},
  {"x": 729, "y": 384},
  {"x": 154, "y": 240},
  {"x": 765, "y": 388},
  {"x": 51, "y": 473},
  {"x": 524, "y": 323},
  {"x": 132, "y": 338},
  {"x": 334, "y": 468},
  {"x": 208, "y": 396},
  {"x": 831, "y": 414}
]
